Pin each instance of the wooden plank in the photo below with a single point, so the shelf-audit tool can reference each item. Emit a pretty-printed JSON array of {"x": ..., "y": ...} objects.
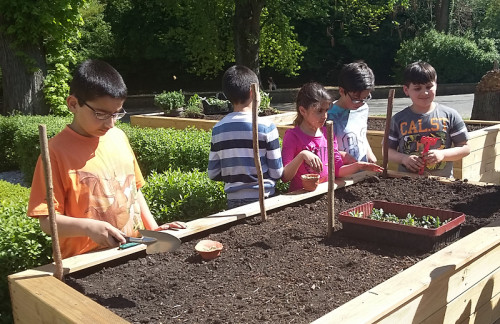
[
  {"x": 472, "y": 300},
  {"x": 384, "y": 299},
  {"x": 484, "y": 137},
  {"x": 45, "y": 299},
  {"x": 489, "y": 313},
  {"x": 487, "y": 153},
  {"x": 443, "y": 298}
]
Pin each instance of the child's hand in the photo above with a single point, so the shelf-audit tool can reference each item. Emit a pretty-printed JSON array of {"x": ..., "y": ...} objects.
[
  {"x": 173, "y": 225},
  {"x": 434, "y": 156},
  {"x": 366, "y": 166},
  {"x": 105, "y": 234},
  {"x": 412, "y": 163},
  {"x": 312, "y": 160}
]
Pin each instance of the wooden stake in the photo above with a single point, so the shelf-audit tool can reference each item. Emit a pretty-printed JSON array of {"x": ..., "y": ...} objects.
[
  {"x": 56, "y": 251},
  {"x": 388, "y": 117},
  {"x": 256, "y": 156},
  {"x": 331, "y": 179}
]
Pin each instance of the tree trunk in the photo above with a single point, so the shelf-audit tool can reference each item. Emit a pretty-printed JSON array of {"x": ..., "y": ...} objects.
[
  {"x": 442, "y": 15},
  {"x": 487, "y": 97},
  {"x": 246, "y": 24},
  {"x": 22, "y": 81}
]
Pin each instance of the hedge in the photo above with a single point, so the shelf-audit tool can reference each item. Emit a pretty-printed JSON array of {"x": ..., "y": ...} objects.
[
  {"x": 177, "y": 195},
  {"x": 22, "y": 244},
  {"x": 160, "y": 149}
]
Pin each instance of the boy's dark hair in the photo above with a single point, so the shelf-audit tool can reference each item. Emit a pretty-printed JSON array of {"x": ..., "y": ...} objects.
[
  {"x": 310, "y": 96},
  {"x": 356, "y": 77},
  {"x": 236, "y": 83},
  {"x": 93, "y": 79},
  {"x": 419, "y": 73}
]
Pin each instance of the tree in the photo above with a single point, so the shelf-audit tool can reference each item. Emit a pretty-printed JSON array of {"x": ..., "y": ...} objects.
[
  {"x": 246, "y": 32},
  {"x": 31, "y": 31}
]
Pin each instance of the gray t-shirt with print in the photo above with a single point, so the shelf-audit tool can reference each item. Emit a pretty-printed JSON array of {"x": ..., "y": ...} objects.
[{"x": 443, "y": 123}]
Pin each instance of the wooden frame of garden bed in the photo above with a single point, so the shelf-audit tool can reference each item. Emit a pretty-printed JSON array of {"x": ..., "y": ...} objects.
[
  {"x": 481, "y": 165},
  {"x": 459, "y": 284}
]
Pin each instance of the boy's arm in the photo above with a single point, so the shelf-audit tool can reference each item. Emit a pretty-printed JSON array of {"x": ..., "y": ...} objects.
[
  {"x": 450, "y": 154},
  {"x": 412, "y": 163},
  {"x": 148, "y": 219},
  {"x": 101, "y": 232}
]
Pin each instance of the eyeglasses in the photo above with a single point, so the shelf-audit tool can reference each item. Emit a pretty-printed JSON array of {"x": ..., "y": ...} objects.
[
  {"x": 105, "y": 116},
  {"x": 358, "y": 101}
]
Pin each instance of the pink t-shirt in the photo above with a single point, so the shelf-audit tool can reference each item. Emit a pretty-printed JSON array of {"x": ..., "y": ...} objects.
[{"x": 295, "y": 141}]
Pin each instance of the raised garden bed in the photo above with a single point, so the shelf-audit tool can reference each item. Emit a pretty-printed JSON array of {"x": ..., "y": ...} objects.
[
  {"x": 287, "y": 271},
  {"x": 282, "y": 121}
]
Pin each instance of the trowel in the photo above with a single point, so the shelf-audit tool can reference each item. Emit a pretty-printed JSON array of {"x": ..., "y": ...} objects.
[
  {"x": 165, "y": 242},
  {"x": 156, "y": 242}
]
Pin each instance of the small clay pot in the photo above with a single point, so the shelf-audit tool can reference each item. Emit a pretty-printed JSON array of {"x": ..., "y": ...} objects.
[
  {"x": 310, "y": 181},
  {"x": 208, "y": 249}
]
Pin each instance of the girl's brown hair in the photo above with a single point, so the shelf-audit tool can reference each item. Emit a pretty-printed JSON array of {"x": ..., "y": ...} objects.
[{"x": 310, "y": 96}]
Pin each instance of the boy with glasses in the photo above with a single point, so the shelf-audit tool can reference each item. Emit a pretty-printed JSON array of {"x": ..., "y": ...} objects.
[
  {"x": 350, "y": 112},
  {"x": 96, "y": 178}
]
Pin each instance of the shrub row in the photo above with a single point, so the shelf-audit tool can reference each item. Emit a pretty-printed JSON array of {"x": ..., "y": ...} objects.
[
  {"x": 176, "y": 194},
  {"x": 22, "y": 244},
  {"x": 160, "y": 149},
  {"x": 456, "y": 59}
]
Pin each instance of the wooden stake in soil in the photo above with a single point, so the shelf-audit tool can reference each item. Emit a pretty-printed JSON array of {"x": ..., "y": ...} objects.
[
  {"x": 388, "y": 117},
  {"x": 256, "y": 156},
  {"x": 56, "y": 251},
  {"x": 331, "y": 179}
]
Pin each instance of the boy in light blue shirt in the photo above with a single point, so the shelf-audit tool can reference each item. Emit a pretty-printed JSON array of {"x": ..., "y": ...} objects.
[{"x": 350, "y": 112}]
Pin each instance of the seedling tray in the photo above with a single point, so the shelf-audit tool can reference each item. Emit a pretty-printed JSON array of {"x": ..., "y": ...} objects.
[{"x": 397, "y": 234}]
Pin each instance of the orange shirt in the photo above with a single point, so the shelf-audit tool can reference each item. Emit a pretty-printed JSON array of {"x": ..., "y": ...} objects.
[{"x": 93, "y": 177}]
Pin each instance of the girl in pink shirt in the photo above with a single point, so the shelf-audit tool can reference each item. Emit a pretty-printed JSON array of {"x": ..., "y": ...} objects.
[{"x": 305, "y": 146}]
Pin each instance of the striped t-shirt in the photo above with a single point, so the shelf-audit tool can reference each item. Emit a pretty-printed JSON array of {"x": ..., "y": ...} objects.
[{"x": 231, "y": 156}]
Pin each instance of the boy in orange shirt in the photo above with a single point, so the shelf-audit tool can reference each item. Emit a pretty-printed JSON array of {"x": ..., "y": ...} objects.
[{"x": 96, "y": 177}]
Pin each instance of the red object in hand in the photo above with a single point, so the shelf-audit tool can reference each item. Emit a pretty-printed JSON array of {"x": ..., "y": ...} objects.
[{"x": 427, "y": 141}]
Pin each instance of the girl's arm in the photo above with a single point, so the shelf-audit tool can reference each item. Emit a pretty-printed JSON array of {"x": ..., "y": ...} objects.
[
  {"x": 349, "y": 169},
  {"x": 148, "y": 219},
  {"x": 306, "y": 156}
]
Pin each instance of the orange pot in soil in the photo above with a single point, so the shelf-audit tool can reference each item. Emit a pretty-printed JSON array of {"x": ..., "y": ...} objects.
[
  {"x": 310, "y": 181},
  {"x": 208, "y": 249}
]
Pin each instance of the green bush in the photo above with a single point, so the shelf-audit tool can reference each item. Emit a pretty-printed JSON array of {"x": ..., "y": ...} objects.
[
  {"x": 19, "y": 140},
  {"x": 8, "y": 127},
  {"x": 170, "y": 100},
  {"x": 160, "y": 149},
  {"x": 27, "y": 140},
  {"x": 176, "y": 195},
  {"x": 456, "y": 59},
  {"x": 22, "y": 244}
]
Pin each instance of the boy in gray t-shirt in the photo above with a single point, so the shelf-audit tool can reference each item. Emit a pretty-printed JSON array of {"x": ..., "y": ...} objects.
[{"x": 426, "y": 121}]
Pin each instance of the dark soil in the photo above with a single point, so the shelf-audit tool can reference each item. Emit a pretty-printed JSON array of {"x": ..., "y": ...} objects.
[{"x": 282, "y": 270}]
